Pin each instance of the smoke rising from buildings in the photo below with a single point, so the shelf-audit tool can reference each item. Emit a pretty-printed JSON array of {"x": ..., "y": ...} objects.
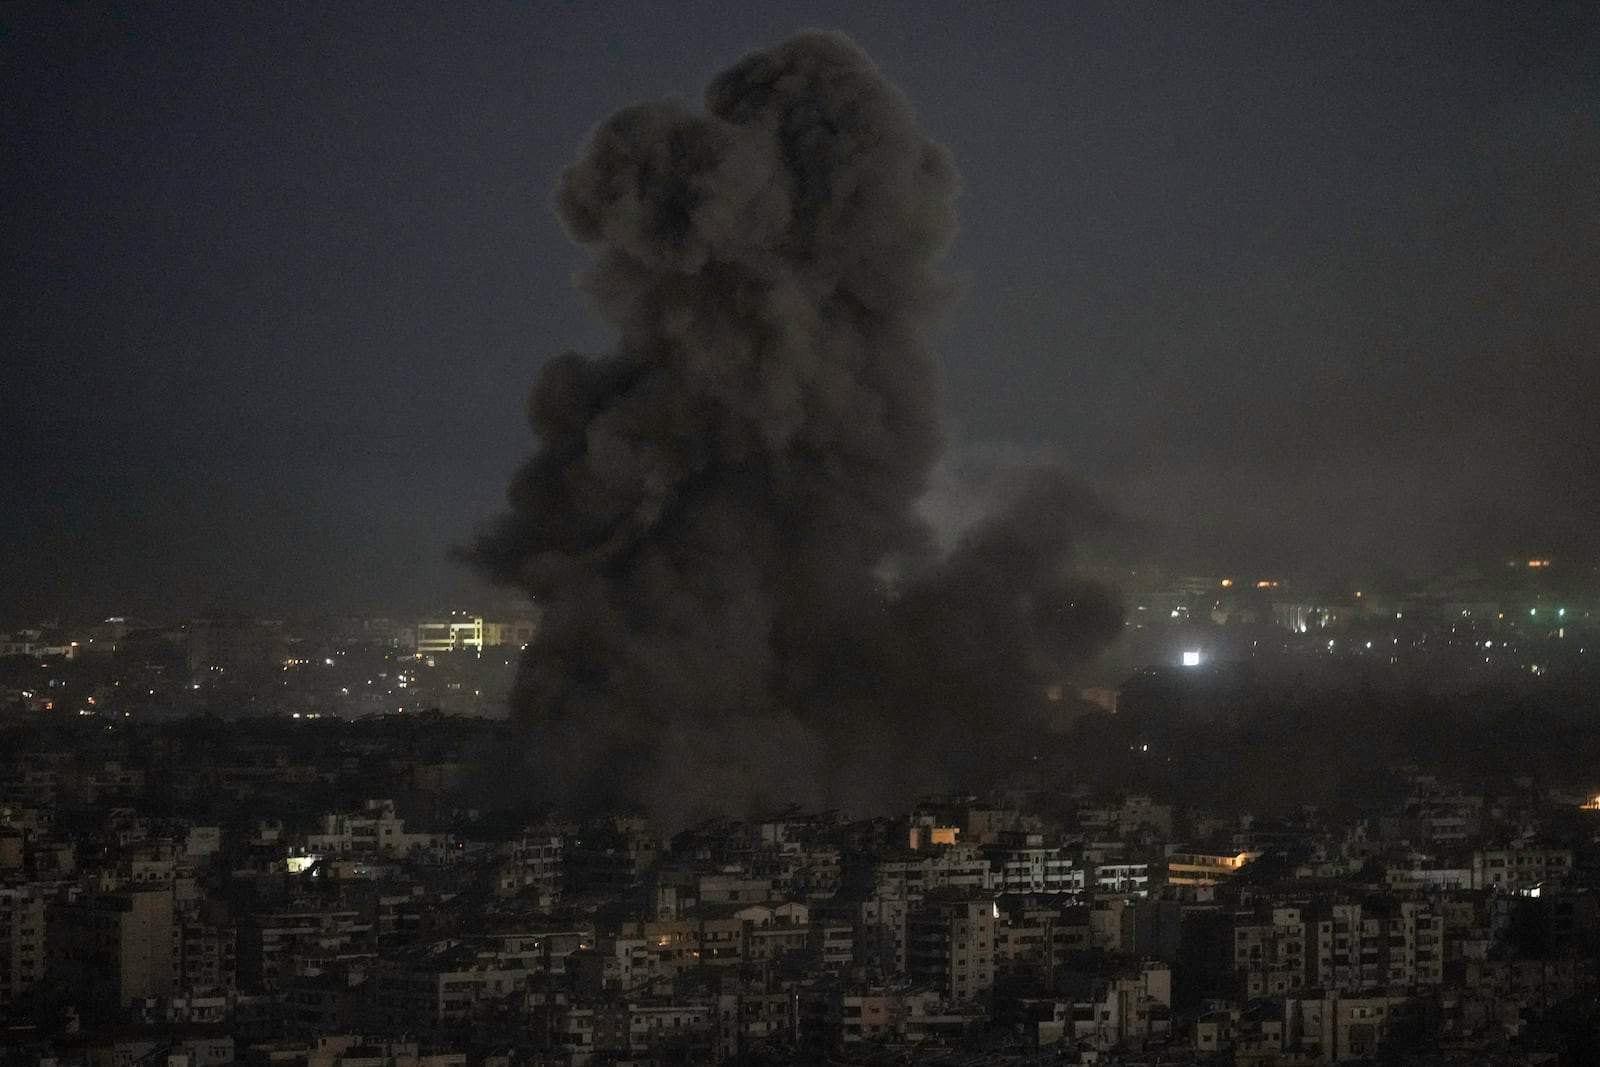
[{"x": 740, "y": 603}]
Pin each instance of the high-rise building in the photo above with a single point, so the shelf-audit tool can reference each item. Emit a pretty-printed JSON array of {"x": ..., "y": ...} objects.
[
  {"x": 22, "y": 944},
  {"x": 950, "y": 947},
  {"x": 107, "y": 950}
]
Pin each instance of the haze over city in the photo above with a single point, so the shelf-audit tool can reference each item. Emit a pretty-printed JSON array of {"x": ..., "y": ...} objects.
[
  {"x": 1296, "y": 290},
  {"x": 622, "y": 535}
]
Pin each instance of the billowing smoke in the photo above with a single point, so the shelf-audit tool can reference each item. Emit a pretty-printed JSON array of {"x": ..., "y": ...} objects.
[{"x": 740, "y": 604}]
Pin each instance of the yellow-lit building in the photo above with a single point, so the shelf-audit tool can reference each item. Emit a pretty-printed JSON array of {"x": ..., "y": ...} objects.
[
  {"x": 472, "y": 633},
  {"x": 1205, "y": 868}
]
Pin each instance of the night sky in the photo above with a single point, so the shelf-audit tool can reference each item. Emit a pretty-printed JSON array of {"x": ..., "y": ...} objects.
[{"x": 1299, "y": 287}]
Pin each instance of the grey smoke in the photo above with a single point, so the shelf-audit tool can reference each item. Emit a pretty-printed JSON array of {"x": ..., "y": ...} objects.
[{"x": 711, "y": 510}]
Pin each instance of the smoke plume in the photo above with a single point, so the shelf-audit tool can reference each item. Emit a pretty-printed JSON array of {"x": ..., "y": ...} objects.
[{"x": 739, "y": 603}]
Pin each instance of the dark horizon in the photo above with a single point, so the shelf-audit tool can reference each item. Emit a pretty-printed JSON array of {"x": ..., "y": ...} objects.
[{"x": 1306, "y": 293}]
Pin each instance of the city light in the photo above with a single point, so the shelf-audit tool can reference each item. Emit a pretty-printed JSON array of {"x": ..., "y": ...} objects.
[{"x": 782, "y": 733}]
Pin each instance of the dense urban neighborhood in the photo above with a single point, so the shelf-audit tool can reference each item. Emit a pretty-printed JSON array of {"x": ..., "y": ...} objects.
[
  {"x": 852, "y": 534},
  {"x": 229, "y": 841}
]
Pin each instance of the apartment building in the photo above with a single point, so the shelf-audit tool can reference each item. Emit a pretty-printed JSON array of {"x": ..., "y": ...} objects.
[{"x": 950, "y": 947}]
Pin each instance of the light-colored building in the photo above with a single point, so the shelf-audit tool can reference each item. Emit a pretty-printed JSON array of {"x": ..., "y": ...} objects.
[
  {"x": 532, "y": 863},
  {"x": 107, "y": 950},
  {"x": 1122, "y": 877},
  {"x": 472, "y": 633},
  {"x": 1519, "y": 868},
  {"x": 913, "y": 875},
  {"x": 376, "y": 830},
  {"x": 1200, "y": 867},
  {"x": 1270, "y": 951},
  {"x": 879, "y": 922},
  {"x": 1397, "y": 946},
  {"x": 1130, "y": 1009},
  {"x": 950, "y": 947},
  {"x": 1034, "y": 869}
]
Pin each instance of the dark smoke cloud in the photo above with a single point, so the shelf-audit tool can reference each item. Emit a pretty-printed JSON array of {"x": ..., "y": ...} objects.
[{"x": 712, "y": 512}]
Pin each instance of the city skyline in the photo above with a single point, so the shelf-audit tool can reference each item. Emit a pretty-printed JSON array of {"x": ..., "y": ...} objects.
[{"x": 580, "y": 535}]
